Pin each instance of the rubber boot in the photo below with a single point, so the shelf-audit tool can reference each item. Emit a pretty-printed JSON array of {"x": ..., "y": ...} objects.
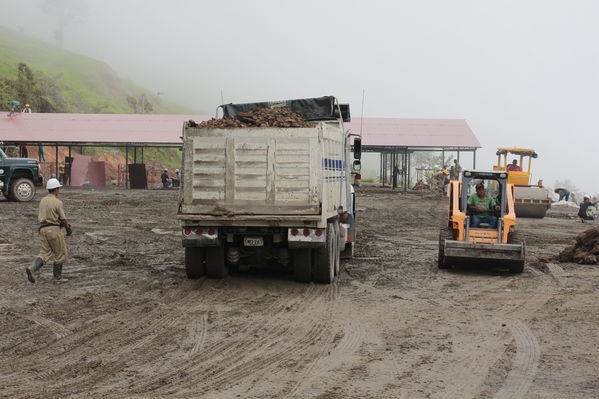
[
  {"x": 32, "y": 270},
  {"x": 58, "y": 273}
]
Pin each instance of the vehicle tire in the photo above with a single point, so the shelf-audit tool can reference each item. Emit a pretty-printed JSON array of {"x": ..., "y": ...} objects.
[
  {"x": 348, "y": 251},
  {"x": 323, "y": 271},
  {"x": 336, "y": 252},
  {"x": 444, "y": 234},
  {"x": 215, "y": 262},
  {"x": 302, "y": 265},
  {"x": 194, "y": 262},
  {"x": 22, "y": 190},
  {"x": 516, "y": 238}
]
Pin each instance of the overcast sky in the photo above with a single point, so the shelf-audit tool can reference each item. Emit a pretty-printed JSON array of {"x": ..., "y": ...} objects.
[{"x": 523, "y": 73}]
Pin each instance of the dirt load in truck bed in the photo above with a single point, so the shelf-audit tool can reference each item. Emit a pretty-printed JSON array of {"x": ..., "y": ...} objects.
[
  {"x": 260, "y": 117},
  {"x": 129, "y": 324}
]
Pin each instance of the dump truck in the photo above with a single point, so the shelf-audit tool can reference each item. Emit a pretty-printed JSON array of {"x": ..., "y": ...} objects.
[
  {"x": 531, "y": 201},
  {"x": 264, "y": 196},
  {"x": 493, "y": 243}
]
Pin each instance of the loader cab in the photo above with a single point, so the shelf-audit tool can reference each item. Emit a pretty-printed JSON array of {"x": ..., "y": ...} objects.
[{"x": 496, "y": 186}]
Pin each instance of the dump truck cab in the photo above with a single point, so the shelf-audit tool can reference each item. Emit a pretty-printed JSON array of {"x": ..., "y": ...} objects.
[
  {"x": 530, "y": 201},
  {"x": 493, "y": 241}
]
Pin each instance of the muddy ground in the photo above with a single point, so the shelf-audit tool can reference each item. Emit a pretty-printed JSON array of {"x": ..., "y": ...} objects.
[{"x": 129, "y": 323}]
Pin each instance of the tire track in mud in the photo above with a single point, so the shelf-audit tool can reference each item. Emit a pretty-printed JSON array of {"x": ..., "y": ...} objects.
[
  {"x": 353, "y": 336},
  {"x": 262, "y": 353},
  {"x": 525, "y": 363},
  {"x": 476, "y": 373},
  {"x": 71, "y": 344},
  {"x": 222, "y": 353},
  {"x": 198, "y": 335}
]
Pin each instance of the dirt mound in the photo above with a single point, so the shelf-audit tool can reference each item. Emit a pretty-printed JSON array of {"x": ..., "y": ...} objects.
[
  {"x": 260, "y": 117},
  {"x": 586, "y": 249}
]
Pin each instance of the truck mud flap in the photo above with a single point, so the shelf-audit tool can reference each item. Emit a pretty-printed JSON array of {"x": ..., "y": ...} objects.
[{"x": 460, "y": 251}]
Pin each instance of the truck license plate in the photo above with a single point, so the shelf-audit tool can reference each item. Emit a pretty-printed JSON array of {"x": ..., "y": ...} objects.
[{"x": 253, "y": 241}]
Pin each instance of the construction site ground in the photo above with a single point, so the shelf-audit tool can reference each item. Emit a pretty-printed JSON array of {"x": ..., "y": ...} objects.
[{"x": 128, "y": 323}]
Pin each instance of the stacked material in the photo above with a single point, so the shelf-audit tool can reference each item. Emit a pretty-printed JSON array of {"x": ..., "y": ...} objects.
[
  {"x": 586, "y": 249},
  {"x": 420, "y": 186},
  {"x": 260, "y": 117}
]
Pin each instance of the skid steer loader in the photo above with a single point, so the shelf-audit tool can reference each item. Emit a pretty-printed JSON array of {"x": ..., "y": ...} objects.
[{"x": 485, "y": 244}]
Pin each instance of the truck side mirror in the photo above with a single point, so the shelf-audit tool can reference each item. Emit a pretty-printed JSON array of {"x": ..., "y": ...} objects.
[{"x": 357, "y": 148}]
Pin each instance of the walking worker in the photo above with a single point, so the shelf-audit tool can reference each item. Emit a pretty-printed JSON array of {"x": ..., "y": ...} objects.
[
  {"x": 27, "y": 109},
  {"x": 51, "y": 218},
  {"x": 176, "y": 178}
]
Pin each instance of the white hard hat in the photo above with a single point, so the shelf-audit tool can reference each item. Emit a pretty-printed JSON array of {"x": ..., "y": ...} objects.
[
  {"x": 165, "y": 169},
  {"x": 176, "y": 170},
  {"x": 52, "y": 184},
  {"x": 587, "y": 197}
]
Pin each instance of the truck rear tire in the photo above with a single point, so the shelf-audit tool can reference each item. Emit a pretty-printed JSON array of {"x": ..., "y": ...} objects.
[
  {"x": 324, "y": 259},
  {"x": 194, "y": 262},
  {"x": 302, "y": 265},
  {"x": 337, "y": 252},
  {"x": 22, "y": 190},
  {"x": 215, "y": 262}
]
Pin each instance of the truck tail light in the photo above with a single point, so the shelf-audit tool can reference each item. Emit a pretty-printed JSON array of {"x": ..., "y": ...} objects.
[
  {"x": 318, "y": 233},
  {"x": 200, "y": 231},
  {"x": 306, "y": 232},
  {"x": 211, "y": 231},
  {"x": 187, "y": 231},
  {"x": 294, "y": 232}
]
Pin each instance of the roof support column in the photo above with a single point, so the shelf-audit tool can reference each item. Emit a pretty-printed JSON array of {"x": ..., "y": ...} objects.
[
  {"x": 56, "y": 164},
  {"x": 126, "y": 166},
  {"x": 474, "y": 159},
  {"x": 409, "y": 156}
]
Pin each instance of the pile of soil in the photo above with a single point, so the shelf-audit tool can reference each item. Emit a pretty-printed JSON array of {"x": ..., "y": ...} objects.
[
  {"x": 586, "y": 249},
  {"x": 260, "y": 117}
]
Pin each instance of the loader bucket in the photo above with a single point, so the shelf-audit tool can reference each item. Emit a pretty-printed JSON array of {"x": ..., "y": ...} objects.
[
  {"x": 531, "y": 202},
  {"x": 510, "y": 256}
]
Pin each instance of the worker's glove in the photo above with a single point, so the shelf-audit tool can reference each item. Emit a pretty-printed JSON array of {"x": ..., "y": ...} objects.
[{"x": 69, "y": 230}]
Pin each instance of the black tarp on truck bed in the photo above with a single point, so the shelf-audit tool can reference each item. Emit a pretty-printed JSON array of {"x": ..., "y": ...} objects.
[{"x": 311, "y": 109}]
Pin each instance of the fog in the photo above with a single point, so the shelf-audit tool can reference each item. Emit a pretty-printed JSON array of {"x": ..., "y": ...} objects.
[{"x": 522, "y": 73}]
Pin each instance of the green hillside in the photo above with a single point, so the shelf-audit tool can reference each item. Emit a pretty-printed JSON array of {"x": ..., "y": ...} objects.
[{"x": 57, "y": 80}]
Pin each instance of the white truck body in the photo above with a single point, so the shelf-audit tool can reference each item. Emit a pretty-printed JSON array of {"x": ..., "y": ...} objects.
[
  {"x": 257, "y": 195},
  {"x": 264, "y": 176}
]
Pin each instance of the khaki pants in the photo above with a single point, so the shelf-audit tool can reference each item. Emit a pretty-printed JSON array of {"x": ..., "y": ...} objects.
[{"x": 53, "y": 244}]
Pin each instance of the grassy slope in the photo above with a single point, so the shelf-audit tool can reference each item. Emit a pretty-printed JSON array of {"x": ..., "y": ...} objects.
[{"x": 87, "y": 85}]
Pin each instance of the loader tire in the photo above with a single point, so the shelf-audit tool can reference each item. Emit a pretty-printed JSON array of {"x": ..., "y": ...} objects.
[
  {"x": 444, "y": 234},
  {"x": 302, "y": 265},
  {"x": 516, "y": 238},
  {"x": 323, "y": 271},
  {"x": 215, "y": 262},
  {"x": 194, "y": 262}
]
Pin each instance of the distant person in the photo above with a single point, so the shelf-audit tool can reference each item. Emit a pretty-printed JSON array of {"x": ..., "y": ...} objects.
[
  {"x": 23, "y": 151},
  {"x": 61, "y": 172},
  {"x": 176, "y": 178},
  {"x": 445, "y": 181},
  {"x": 41, "y": 154},
  {"x": 514, "y": 167},
  {"x": 583, "y": 212},
  {"x": 13, "y": 106},
  {"x": 27, "y": 109},
  {"x": 165, "y": 179},
  {"x": 540, "y": 183},
  {"x": 457, "y": 170},
  {"x": 564, "y": 194},
  {"x": 51, "y": 218},
  {"x": 481, "y": 207}
]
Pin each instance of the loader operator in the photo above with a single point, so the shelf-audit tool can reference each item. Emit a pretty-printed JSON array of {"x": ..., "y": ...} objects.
[
  {"x": 51, "y": 218},
  {"x": 582, "y": 212},
  {"x": 481, "y": 207}
]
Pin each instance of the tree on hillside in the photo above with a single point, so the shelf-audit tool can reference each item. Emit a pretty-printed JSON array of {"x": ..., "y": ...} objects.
[
  {"x": 66, "y": 12},
  {"x": 37, "y": 89},
  {"x": 140, "y": 105}
]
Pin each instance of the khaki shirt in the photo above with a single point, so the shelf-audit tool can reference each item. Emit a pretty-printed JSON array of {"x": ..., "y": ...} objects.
[{"x": 51, "y": 210}]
